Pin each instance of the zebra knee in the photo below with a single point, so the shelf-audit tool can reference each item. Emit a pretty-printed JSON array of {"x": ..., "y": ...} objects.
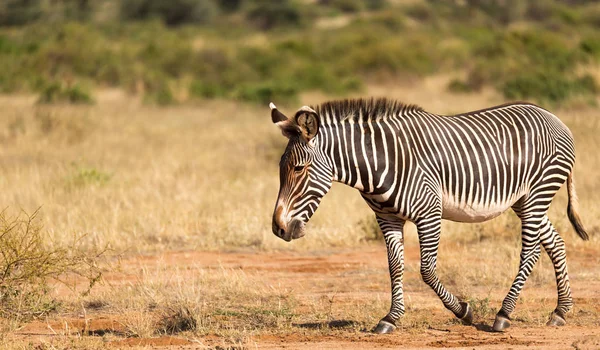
[{"x": 428, "y": 273}]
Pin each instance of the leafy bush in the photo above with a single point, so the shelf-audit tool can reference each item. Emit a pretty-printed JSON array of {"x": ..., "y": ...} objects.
[
  {"x": 266, "y": 14},
  {"x": 174, "y": 12},
  {"x": 19, "y": 12},
  {"x": 459, "y": 86},
  {"x": 263, "y": 93},
  {"x": 56, "y": 92},
  {"x": 154, "y": 57},
  {"x": 28, "y": 264},
  {"x": 348, "y": 6},
  {"x": 591, "y": 45},
  {"x": 548, "y": 86}
]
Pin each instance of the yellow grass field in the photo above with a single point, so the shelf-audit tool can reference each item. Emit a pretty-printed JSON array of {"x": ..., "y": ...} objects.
[{"x": 183, "y": 196}]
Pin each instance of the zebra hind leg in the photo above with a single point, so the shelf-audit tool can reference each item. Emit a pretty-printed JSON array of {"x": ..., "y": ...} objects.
[
  {"x": 555, "y": 247},
  {"x": 530, "y": 253}
]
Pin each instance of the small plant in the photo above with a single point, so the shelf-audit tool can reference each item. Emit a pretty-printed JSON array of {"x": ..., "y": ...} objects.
[
  {"x": 28, "y": 264},
  {"x": 89, "y": 176},
  {"x": 481, "y": 308},
  {"x": 178, "y": 317}
]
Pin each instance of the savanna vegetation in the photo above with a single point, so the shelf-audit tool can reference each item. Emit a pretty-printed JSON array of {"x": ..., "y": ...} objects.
[
  {"x": 257, "y": 50},
  {"x": 136, "y": 144}
]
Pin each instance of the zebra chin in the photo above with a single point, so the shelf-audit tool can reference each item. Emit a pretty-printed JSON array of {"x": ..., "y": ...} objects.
[{"x": 295, "y": 230}]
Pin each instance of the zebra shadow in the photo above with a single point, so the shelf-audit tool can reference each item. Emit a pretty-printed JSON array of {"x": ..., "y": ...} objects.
[
  {"x": 482, "y": 327},
  {"x": 336, "y": 324}
]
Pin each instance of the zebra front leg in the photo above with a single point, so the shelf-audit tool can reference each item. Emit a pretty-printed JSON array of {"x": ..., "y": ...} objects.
[
  {"x": 393, "y": 233},
  {"x": 429, "y": 239},
  {"x": 555, "y": 247},
  {"x": 530, "y": 253}
]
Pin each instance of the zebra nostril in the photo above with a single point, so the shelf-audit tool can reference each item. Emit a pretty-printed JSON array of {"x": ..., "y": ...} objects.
[{"x": 281, "y": 232}]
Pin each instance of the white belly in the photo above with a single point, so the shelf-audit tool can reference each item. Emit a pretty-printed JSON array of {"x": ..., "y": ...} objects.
[{"x": 462, "y": 212}]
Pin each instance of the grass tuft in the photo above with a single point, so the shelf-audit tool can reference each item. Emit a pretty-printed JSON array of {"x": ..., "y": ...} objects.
[{"x": 28, "y": 265}]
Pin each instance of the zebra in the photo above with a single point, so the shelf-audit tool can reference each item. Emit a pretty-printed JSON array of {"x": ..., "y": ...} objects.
[{"x": 412, "y": 165}]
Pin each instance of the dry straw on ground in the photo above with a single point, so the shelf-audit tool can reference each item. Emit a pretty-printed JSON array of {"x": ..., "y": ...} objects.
[{"x": 143, "y": 179}]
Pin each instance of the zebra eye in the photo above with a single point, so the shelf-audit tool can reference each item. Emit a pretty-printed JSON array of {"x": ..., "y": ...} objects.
[{"x": 298, "y": 168}]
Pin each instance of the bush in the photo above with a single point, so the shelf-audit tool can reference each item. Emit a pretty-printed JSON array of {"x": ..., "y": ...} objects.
[
  {"x": 459, "y": 86},
  {"x": 548, "y": 86},
  {"x": 162, "y": 96},
  {"x": 263, "y": 93},
  {"x": 348, "y": 6},
  {"x": 266, "y": 14},
  {"x": 591, "y": 46},
  {"x": 172, "y": 13},
  {"x": 56, "y": 92},
  {"x": 19, "y": 12},
  {"x": 203, "y": 89},
  {"x": 28, "y": 263}
]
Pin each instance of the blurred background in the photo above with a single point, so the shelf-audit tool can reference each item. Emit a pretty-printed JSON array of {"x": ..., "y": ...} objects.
[
  {"x": 143, "y": 124},
  {"x": 140, "y": 129},
  {"x": 170, "y": 52}
]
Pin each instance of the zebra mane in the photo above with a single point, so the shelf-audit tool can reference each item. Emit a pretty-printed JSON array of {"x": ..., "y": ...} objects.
[{"x": 369, "y": 109}]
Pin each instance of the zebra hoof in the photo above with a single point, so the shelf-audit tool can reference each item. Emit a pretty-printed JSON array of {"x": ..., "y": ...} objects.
[
  {"x": 467, "y": 318},
  {"x": 501, "y": 323},
  {"x": 556, "y": 319},
  {"x": 384, "y": 327}
]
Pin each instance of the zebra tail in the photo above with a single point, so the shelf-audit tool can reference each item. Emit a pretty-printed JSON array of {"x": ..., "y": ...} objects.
[{"x": 572, "y": 208}]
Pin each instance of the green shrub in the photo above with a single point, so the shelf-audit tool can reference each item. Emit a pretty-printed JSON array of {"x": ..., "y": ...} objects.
[
  {"x": 56, "y": 92},
  {"x": 162, "y": 96},
  {"x": 547, "y": 86},
  {"x": 590, "y": 45},
  {"x": 88, "y": 177},
  {"x": 172, "y": 13},
  {"x": 19, "y": 12},
  {"x": 348, "y": 6},
  {"x": 230, "y": 5},
  {"x": 420, "y": 11},
  {"x": 203, "y": 89},
  {"x": 459, "y": 86},
  {"x": 266, "y": 14},
  {"x": 263, "y": 93}
]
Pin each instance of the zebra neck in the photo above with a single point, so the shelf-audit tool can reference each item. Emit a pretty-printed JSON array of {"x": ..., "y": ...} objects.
[{"x": 362, "y": 153}]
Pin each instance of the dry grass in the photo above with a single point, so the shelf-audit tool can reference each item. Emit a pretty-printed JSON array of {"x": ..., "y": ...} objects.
[
  {"x": 145, "y": 179},
  {"x": 205, "y": 177}
]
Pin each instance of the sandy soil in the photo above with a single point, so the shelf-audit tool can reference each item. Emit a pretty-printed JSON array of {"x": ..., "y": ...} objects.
[{"x": 351, "y": 275}]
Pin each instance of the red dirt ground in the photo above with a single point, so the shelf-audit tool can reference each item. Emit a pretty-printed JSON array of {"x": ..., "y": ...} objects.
[{"x": 352, "y": 275}]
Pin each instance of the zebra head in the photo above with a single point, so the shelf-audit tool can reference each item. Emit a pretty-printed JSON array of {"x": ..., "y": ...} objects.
[{"x": 305, "y": 174}]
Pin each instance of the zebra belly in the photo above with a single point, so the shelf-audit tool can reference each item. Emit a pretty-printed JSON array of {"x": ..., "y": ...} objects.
[{"x": 465, "y": 212}]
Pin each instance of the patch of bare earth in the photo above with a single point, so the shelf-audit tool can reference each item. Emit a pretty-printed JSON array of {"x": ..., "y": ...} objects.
[{"x": 339, "y": 295}]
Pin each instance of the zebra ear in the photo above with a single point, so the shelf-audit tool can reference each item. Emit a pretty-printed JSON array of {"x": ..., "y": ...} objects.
[
  {"x": 288, "y": 128},
  {"x": 276, "y": 115},
  {"x": 308, "y": 121}
]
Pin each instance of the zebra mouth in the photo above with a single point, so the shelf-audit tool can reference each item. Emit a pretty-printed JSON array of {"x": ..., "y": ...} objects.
[{"x": 295, "y": 230}]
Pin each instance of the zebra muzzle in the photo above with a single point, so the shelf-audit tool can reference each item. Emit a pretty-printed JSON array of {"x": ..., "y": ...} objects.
[{"x": 295, "y": 230}]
